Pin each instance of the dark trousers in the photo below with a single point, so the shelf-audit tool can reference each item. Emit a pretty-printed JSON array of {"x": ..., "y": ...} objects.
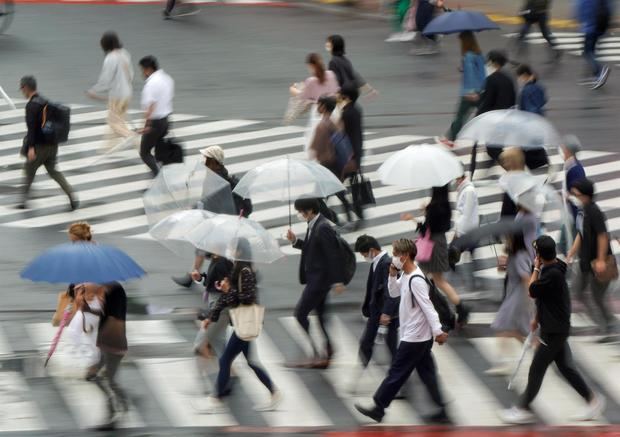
[
  {"x": 314, "y": 297},
  {"x": 424, "y": 15},
  {"x": 589, "y": 51},
  {"x": 410, "y": 357},
  {"x": 367, "y": 342},
  {"x": 234, "y": 347},
  {"x": 462, "y": 114},
  {"x": 170, "y": 5},
  {"x": 46, "y": 156},
  {"x": 158, "y": 130},
  {"x": 585, "y": 280},
  {"x": 543, "y": 23},
  {"x": 107, "y": 382},
  {"x": 557, "y": 350}
]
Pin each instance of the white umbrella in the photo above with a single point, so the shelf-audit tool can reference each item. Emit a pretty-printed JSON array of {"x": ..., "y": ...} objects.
[
  {"x": 172, "y": 231},
  {"x": 515, "y": 183},
  {"x": 511, "y": 127},
  {"x": 288, "y": 179},
  {"x": 422, "y": 166},
  {"x": 236, "y": 238},
  {"x": 6, "y": 97}
]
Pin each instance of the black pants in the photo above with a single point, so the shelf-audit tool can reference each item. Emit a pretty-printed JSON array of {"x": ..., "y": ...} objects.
[
  {"x": 107, "y": 382},
  {"x": 586, "y": 279},
  {"x": 46, "y": 156},
  {"x": 158, "y": 130},
  {"x": 314, "y": 297},
  {"x": 543, "y": 22},
  {"x": 557, "y": 350},
  {"x": 410, "y": 357},
  {"x": 367, "y": 342}
]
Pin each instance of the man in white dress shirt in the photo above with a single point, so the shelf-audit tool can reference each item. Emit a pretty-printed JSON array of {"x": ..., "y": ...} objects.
[
  {"x": 419, "y": 324},
  {"x": 156, "y": 101},
  {"x": 467, "y": 220}
]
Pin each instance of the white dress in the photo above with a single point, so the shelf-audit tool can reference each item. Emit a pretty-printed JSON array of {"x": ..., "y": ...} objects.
[{"x": 84, "y": 344}]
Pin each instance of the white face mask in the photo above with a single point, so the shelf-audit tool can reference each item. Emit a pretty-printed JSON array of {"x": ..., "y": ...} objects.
[
  {"x": 368, "y": 258},
  {"x": 328, "y": 47},
  {"x": 397, "y": 262},
  {"x": 301, "y": 217},
  {"x": 575, "y": 201}
]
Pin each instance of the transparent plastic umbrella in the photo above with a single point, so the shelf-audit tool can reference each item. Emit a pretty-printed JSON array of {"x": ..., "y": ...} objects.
[
  {"x": 236, "y": 238},
  {"x": 515, "y": 183},
  {"x": 184, "y": 186},
  {"x": 172, "y": 231},
  {"x": 511, "y": 127},
  {"x": 422, "y": 166}
]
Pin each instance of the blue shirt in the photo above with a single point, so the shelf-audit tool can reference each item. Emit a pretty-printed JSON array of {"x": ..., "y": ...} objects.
[
  {"x": 533, "y": 98},
  {"x": 474, "y": 73}
]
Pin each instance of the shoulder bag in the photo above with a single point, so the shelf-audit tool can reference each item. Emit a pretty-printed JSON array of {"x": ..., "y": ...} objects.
[{"x": 247, "y": 320}]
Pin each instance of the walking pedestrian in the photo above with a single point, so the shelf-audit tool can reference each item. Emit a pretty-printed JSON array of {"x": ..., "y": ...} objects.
[
  {"x": 467, "y": 219},
  {"x": 320, "y": 270},
  {"x": 437, "y": 216},
  {"x": 594, "y": 17},
  {"x": 425, "y": 12},
  {"x": 321, "y": 82},
  {"x": 112, "y": 341},
  {"x": 515, "y": 313},
  {"x": 403, "y": 29},
  {"x": 511, "y": 159},
  {"x": 37, "y": 150},
  {"x": 573, "y": 172},
  {"x": 115, "y": 80},
  {"x": 592, "y": 244},
  {"x": 157, "y": 96},
  {"x": 419, "y": 325},
  {"x": 380, "y": 309},
  {"x": 342, "y": 67},
  {"x": 238, "y": 289},
  {"x": 532, "y": 97},
  {"x": 537, "y": 12},
  {"x": 474, "y": 74},
  {"x": 548, "y": 286}
]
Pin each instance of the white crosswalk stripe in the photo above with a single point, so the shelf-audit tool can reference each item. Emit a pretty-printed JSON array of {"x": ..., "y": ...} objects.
[{"x": 174, "y": 382}]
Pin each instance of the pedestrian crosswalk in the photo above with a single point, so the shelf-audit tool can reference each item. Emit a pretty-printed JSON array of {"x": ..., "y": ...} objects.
[{"x": 167, "y": 385}]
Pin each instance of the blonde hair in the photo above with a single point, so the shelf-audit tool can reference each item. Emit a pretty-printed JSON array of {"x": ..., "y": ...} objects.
[
  {"x": 512, "y": 159},
  {"x": 404, "y": 246},
  {"x": 81, "y": 231}
]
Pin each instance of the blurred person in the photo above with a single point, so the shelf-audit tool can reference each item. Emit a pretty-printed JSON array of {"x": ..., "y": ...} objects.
[
  {"x": 112, "y": 341},
  {"x": 156, "y": 101},
  {"x": 594, "y": 17},
  {"x": 592, "y": 244},
  {"x": 537, "y": 12},
  {"x": 320, "y": 270},
  {"x": 214, "y": 160},
  {"x": 380, "y": 309},
  {"x": 515, "y": 313},
  {"x": 238, "y": 289},
  {"x": 115, "y": 80},
  {"x": 511, "y": 159},
  {"x": 419, "y": 325},
  {"x": 189, "y": 9},
  {"x": 573, "y": 172},
  {"x": 321, "y": 82},
  {"x": 342, "y": 67},
  {"x": 467, "y": 219},
  {"x": 402, "y": 9},
  {"x": 437, "y": 216},
  {"x": 474, "y": 74},
  {"x": 424, "y": 14},
  {"x": 36, "y": 148},
  {"x": 532, "y": 97},
  {"x": 547, "y": 285}
]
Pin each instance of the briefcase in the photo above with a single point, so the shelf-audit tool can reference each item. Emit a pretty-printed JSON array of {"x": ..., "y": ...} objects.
[{"x": 167, "y": 151}]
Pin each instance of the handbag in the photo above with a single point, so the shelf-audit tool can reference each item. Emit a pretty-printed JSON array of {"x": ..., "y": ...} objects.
[
  {"x": 425, "y": 247},
  {"x": 247, "y": 320},
  {"x": 611, "y": 270},
  {"x": 361, "y": 190}
]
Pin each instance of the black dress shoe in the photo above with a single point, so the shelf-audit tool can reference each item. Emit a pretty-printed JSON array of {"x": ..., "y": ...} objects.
[
  {"x": 375, "y": 413},
  {"x": 110, "y": 426},
  {"x": 440, "y": 418},
  {"x": 74, "y": 204}
]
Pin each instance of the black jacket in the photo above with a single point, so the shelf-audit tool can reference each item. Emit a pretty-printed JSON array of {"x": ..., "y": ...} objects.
[
  {"x": 498, "y": 93},
  {"x": 342, "y": 67},
  {"x": 320, "y": 264},
  {"x": 34, "y": 121},
  {"x": 352, "y": 120},
  {"x": 593, "y": 225},
  {"x": 378, "y": 299},
  {"x": 552, "y": 299},
  {"x": 219, "y": 268}
]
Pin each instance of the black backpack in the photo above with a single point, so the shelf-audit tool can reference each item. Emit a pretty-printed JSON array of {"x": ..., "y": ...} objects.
[
  {"x": 350, "y": 261},
  {"x": 447, "y": 318},
  {"x": 243, "y": 206},
  {"x": 56, "y": 122},
  {"x": 603, "y": 16}
]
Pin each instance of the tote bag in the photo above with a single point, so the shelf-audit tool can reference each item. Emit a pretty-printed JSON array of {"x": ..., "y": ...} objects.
[
  {"x": 425, "y": 247},
  {"x": 247, "y": 320}
]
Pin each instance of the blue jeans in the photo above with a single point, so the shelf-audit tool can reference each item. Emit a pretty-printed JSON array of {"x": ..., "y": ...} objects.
[
  {"x": 234, "y": 347},
  {"x": 589, "y": 52}
]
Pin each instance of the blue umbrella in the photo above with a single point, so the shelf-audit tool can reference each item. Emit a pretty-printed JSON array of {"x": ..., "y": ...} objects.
[
  {"x": 459, "y": 21},
  {"x": 82, "y": 262}
]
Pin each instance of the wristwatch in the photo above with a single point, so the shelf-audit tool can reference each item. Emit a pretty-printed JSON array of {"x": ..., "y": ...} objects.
[{"x": 537, "y": 270}]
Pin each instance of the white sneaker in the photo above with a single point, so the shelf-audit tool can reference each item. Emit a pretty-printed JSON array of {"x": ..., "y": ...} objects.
[
  {"x": 211, "y": 405},
  {"x": 517, "y": 416},
  {"x": 407, "y": 36},
  {"x": 594, "y": 410},
  {"x": 276, "y": 399},
  {"x": 395, "y": 37}
]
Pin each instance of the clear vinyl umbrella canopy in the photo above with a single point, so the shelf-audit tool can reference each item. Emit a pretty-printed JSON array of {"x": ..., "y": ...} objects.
[{"x": 172, "y": 231}]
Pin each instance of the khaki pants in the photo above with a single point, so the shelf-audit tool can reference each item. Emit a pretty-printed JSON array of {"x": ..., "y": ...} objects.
[{"x": 117, "y": 111}]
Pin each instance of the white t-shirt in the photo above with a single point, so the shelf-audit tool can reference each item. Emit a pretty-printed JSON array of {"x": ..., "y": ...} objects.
[
  {"x": 159, "y": 90},
  {"x": 418, "y": 320}
]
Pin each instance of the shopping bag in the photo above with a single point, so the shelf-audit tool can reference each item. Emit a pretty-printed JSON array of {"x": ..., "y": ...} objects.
[
  {"x": 361, "y": 190},
  {"x": 425, "y": 247}
]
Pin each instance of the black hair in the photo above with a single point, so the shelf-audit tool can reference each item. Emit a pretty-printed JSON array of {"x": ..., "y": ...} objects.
[
  {"x": 149, "y": 62},
  {"x": 524, "y": 69},
  {"x": 585, "y": 187},
  {"x": 365, "y": 242},
  {"x": 440, "y": 195},
  {"x": 109, "y": 41},
  {"x": 307, "y": 205},
  {"x": 350, "y": 91},
  {"x": 327, "y": 102},
  {"x": 517, "y": 243},
  {"x": 71, "y": 291},
  {"x": 243, "y": 250},
  {"x": 337, "y": 44},
  {"x": 497, "y": 57},
  {"x": 28, "y": 82},
  {"x": 545, "y": 248}
]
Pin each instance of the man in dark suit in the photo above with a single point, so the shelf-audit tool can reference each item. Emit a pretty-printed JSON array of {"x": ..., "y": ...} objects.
[
  {"x": 320, "y": 270},
  {"x": 36, "y": 149},
  {"x": 378, "y": 307},
  {"x": 498, "y": 92},
  {"x": 352, "y": 125}
]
